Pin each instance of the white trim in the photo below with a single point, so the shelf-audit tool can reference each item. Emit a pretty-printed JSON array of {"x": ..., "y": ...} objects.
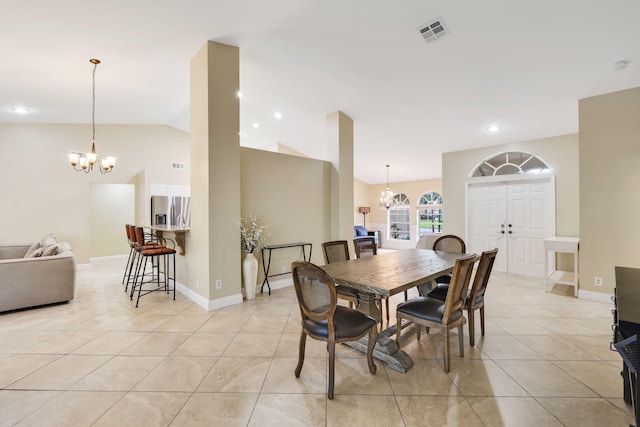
[
  {"x": 83, "y": 267},
  {"x": 595, "y": 296},
  {"x": 208, "y": 304},
  {"x": 515, "y": 177},
  {"x": 278, "y": 284},
  {"x": 223, "y": 302},
  {"x": 109, "y": 258}
]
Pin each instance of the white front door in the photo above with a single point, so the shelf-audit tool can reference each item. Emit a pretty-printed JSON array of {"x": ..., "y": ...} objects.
[{"x": 515, "y": 217}]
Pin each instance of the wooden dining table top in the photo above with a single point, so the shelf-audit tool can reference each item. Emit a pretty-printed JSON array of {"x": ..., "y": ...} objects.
[{"x": 393, "y": 272}]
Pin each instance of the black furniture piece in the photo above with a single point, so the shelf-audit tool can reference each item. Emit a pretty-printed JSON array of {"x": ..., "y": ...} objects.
[
  {"x": 323, "y": 319},
  {"x": 266, "y": 266},
  {"x": 626, "y": 327}
]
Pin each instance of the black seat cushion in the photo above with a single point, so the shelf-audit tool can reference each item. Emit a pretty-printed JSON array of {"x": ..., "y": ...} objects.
[
  {"x": 440, "y": 292},
  {"x": 426, "y": 308},
  {"x": 348, "y": 323},
  {"x": 444, "y": 279}
]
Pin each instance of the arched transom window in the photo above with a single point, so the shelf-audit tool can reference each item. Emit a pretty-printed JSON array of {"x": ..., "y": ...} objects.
[
  {"x": 510, "y": 163},
  {"x": 399, "y": 218},
  {"x": 429, "y": 213}
]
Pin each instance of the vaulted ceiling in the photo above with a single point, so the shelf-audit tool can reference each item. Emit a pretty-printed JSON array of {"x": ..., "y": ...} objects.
[{"x": 520, "y": 65}]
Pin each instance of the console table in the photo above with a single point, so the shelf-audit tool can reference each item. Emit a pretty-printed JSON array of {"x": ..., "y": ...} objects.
[
  {"x": 566, "y": 245},
  {"x": 267, "y": 265}
]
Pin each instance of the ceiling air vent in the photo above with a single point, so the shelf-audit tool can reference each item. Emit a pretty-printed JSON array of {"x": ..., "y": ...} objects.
[
  {"x": 177, "y": 165},
  {"x": 433, "y": 30}
]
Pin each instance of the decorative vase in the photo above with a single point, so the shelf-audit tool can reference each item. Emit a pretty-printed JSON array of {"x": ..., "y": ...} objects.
[{"x": 250, "y": 275}]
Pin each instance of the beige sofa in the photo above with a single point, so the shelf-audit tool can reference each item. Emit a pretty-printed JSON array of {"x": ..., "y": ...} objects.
[{"x": 30, "y": 282}]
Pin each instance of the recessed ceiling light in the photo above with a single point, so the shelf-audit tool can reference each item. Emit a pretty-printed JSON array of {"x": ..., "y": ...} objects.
[
  {"x": 277, "y": 115},
  {"x": 240, "y": 94},
  {"x": 21, "y": 110},
  {"x": 493, "y": 128},
  {"x": 256, "y": 125}
]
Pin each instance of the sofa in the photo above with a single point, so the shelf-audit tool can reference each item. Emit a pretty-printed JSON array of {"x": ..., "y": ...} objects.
[
  {"x": 36, "y": 280},
  {"x": 359, "y": 231}
]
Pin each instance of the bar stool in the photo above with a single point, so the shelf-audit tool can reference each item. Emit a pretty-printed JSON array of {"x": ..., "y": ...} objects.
[
  {"x": 157, "y": 253},
  {"x": 149, "y": 242},
  {"x": 132, "y": 256}
]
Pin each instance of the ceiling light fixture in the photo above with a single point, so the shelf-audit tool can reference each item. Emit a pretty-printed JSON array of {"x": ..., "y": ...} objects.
[
  {"x": 83, "y": 162},
  {"x": 386, "y": 197},
  {"x": 21, "y": 110},
  {"x": 493, "y": 128}
]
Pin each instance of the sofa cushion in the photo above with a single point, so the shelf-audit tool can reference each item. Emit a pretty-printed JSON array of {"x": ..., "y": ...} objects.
[
  {"x": 32, "y": 249},
  {"x": 360, "y": 231},
  {"x": 50, "y": 250},
  {"x": 48, "y": 240}
]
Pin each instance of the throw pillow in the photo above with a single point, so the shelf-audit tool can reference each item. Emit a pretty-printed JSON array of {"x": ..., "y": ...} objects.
[
  {"x": 48, "y": 240},
  {"x": 36, "y": 253},
  {"x": 32, "y": 249},
  {"x": 63, "y": 247},
  {"x": 50, "y": 250}
]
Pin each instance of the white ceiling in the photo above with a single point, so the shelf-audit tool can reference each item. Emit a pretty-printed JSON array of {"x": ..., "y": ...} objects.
[{"x": 521, "y": 64}]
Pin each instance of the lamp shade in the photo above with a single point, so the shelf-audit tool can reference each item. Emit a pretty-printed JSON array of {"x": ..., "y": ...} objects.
[{"x": 364, "y": 209}]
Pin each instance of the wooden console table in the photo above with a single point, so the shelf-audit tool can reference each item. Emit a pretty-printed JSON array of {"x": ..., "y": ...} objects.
[{"x": 267, "y": 265}]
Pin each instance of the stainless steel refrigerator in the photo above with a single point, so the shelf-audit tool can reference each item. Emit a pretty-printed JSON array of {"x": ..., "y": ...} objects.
[{"x": 180, "y": 212}]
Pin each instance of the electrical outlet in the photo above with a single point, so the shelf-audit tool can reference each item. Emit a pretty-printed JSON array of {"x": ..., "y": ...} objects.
[
  {"x": 597, "y": 281},
  {"x": 197, "y": 284},
  {"x": 218, "y": 284},
  {"x": 283, "y": 270}
]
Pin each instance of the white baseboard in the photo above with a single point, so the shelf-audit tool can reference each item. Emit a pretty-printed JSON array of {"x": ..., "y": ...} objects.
[
  {"x": 205, "y": 303},
  {"x": 109, "y": 258},
  {"x": 594, "y": 296},
  {"x": 276, "y": 284}
]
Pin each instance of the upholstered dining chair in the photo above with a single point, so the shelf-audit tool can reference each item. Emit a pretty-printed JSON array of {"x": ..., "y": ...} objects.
[
  {"x": 448, "y": 243},
  {"x": 475, "y": 296},
  {"x": 446, "y": 315},
  {"x": 336, "y": 251},
  {"x": 323, "y": 319}
]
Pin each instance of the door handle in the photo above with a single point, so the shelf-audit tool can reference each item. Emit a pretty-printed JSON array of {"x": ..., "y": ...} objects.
[
  {"x": 501, "y": 231},
  {"x": 510, "y": 232}
]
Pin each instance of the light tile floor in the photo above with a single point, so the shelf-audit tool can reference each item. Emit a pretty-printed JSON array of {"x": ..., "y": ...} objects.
[{"x": 545, "y": 361}]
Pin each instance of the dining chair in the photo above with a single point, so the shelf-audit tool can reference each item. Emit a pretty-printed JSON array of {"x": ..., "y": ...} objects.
[
  {"x": 449, "y": 243},
  {"x": 323, "y": 319},
  {"x": 433, "y": 312},
  {"x": 336, "y": 251},
  {"x": 475, "y": 296}
]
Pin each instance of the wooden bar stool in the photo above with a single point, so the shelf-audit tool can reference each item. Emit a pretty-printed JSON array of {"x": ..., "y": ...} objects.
[{"x": 157, "y": 253}]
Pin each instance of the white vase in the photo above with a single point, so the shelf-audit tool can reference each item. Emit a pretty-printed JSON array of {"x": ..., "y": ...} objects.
[{"x": 249, "y": 275}]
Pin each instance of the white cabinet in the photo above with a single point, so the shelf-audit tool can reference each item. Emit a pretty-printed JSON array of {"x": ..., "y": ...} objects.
[{"x": 552, "y": 245}]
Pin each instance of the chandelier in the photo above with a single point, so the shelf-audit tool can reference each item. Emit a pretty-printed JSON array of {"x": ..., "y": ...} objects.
[
  {"x": 83, "y": 162},
  {"x": 386, "y": 197}
]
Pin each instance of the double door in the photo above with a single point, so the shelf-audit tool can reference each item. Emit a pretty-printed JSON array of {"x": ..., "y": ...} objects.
[{"x": 515, "y": 217}]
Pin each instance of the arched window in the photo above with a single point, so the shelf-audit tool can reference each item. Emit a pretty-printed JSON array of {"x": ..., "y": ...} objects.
[
  {"x": 510, "y": 163},
  {"x": 430, "y": 219},
  {"x": 399, "y": 218}
]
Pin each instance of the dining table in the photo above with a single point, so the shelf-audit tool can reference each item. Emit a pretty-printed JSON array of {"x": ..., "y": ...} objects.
[{"x": 387, "y": 274}]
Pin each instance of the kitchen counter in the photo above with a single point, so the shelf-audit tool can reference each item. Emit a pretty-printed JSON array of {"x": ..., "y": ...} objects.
[{"x": 177, "y": 230}]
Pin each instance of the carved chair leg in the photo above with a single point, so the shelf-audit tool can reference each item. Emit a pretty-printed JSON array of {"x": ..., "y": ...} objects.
[
  {"x": 446, "y": 350},
  {"x": 332, "y": 368},
  {"x": 472, "y": 327},
  {"x": 461, "y": 339},
  {"x": 373, "y": 338},
  {"x": 482, "y": 320},
  {"x": 303, "y": 341}
]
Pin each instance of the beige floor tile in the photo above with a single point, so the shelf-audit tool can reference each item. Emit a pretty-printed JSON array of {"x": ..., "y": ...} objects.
[
  {"x": 223, "y": 323},
  {"x": 144, "y": 323},
  {"x": 261, "y": 323},
  {"x": 110, "y": 343},
  {"x": 205, "y": 344},
  {"x": 254, "y": 344},
  {"x": 371, "y": 411},
  {"x": 17, "y": 404},
  {"x": 507, "y": 348},
  {"x": 227, "y": 409},
  {"x": 78, "y": 408},
  {"x": 182, "y": 323},
  {"x": 20, "y": 341},
  {"x": 157, "y": 344},
  {"x": 64, "y": 342},
  {"x": 417, "y": 411},
  {"x": 121, "y": 373},
  {"x": 281, "y": 376},
  {"x": 596, "y": 345},
  {"x": 544, "y": 379},
  {"x": 426, "y": 378},
  {"x": 143, "y": 409},
  {"x": 587, "y": 412},
  {"x": 177, "y": 374},
  {"x": 290, "y": 410},
  {"x": 290, "y": 343},
  {"x": 13, "y": 367},
  {"x": 60, "y": 374},
  {"x": 600, "y": 376},
  {"x": 554, "y": 347},
  {"x": 236, "y": 375},
  {"x": 483, "y": 378},
  {"x": 352, "y": 376},
  {"x": 520, "y": 326},
  {"x": 512, "y": 412}
]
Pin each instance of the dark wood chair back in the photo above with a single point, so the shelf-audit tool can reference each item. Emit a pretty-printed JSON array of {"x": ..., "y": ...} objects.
[
  {"x": 335, "y": 251},
  {"x": 450, "y": 243},
  {"x": 365, "y": 246}
]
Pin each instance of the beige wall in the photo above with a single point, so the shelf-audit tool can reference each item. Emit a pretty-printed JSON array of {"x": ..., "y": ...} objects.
[
  {"x": 112, "y": 206},
  {"x": 41, "y": 193},
  {"x": 291, "y": 194},
  {"x": 560, "y": 153},
  {"x": 609, "y": 186}
]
